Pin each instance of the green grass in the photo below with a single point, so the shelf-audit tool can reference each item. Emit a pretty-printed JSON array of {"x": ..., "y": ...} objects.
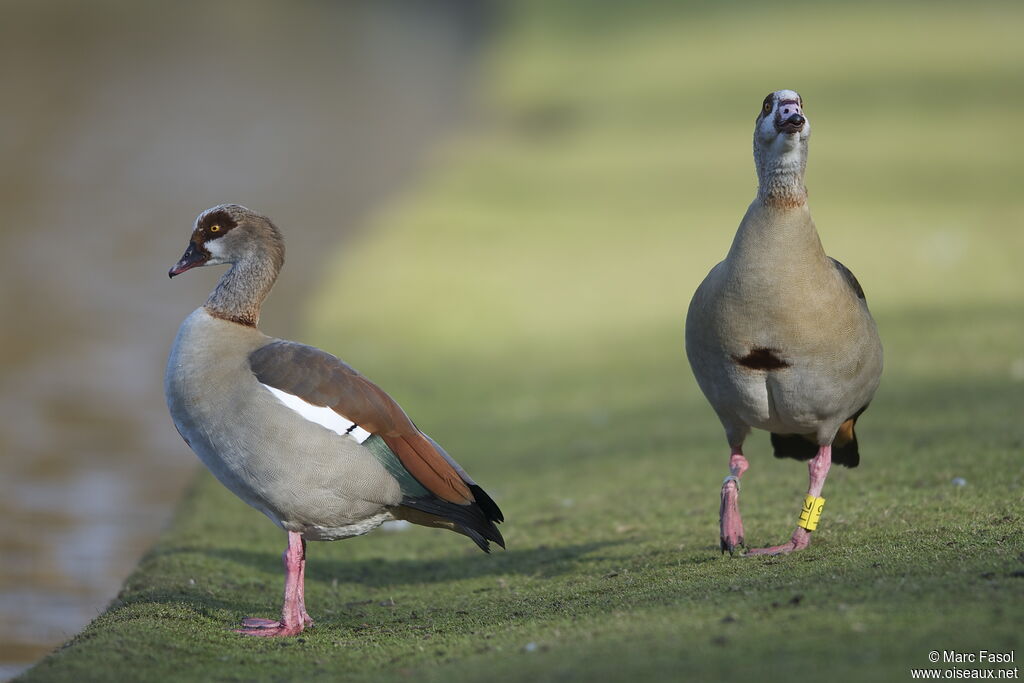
[{"x": 525, "y": 303}]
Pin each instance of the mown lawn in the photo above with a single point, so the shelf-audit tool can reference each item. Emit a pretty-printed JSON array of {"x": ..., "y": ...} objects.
[{"x": 524, "y": 302}]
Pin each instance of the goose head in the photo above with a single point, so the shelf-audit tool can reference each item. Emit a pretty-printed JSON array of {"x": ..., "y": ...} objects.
[
  {"x": 781, "y": 127},
  {"x": 781, "y": 133},
  {"x": 781, "y": 120},
  {"x": 231, "y": 233}
]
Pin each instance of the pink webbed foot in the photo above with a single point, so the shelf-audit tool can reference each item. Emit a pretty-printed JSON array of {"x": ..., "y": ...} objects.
[
  {"x": 268, "y": 628},
  {"x": 730, "y": 522},
  {"x": 294, "y": 617},
  {"x": 817, "y": 468},
  {"x": 800, "y": 540}
]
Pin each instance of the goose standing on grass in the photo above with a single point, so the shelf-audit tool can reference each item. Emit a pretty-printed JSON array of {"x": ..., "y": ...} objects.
[
  {"x": 779, "y": 335},
  {"x": 292, "y": 430}
]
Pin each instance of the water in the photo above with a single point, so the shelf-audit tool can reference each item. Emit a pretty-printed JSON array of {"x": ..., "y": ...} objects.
[{"x": 120, "y": 122}]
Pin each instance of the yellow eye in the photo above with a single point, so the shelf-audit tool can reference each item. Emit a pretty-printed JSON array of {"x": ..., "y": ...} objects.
[
  {"x": 767, "y": 107},
  {"x": 214, "y": 228}
]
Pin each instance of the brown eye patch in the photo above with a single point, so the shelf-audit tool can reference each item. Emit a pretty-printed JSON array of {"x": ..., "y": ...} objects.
[{"x": 216, "y": 223}]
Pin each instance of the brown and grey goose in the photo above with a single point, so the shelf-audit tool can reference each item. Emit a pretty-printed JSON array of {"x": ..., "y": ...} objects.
[
  {"x": 779, "y": 335},
  {"x": 292, "y": 430}
]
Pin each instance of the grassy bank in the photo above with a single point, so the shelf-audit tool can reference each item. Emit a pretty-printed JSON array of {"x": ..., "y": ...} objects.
[{"x": 525, "y": 303}]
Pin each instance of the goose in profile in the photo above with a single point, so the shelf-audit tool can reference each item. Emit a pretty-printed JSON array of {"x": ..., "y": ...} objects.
[{"x": 293, "y": 431}]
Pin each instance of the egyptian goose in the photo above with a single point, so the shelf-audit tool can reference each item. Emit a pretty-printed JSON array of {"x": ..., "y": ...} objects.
[
  {"x": 292, "y": 430},
  {"x": 779, "y": 335}
]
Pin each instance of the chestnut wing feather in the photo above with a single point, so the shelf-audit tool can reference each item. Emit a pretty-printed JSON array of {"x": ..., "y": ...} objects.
[{"x": 321, "y": 379}]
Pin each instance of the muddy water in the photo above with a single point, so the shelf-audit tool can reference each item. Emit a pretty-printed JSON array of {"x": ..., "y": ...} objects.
[{"x": 119, "y": 122}]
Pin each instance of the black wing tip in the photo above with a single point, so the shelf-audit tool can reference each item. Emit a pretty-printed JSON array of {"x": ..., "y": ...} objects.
[
  {"x": 487, "y": 504},
  {"x": 851, "y": 279}
]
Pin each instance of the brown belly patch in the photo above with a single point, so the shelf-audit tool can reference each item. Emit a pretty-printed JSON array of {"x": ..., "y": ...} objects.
[{"x": 761, "y": 359}]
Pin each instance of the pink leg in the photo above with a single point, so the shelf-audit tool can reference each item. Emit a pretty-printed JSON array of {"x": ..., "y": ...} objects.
[
  {"x": 293, "y": 614},
  {"x": 817, "y": 467},
  {"x": 306, "y": 619},
  {"x": 730, "y": 523}
]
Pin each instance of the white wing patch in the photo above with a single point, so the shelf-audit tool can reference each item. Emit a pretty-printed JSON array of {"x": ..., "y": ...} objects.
[{"x": 322, "y": 415}]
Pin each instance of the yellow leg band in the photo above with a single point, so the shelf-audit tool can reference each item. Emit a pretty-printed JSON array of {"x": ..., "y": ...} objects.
[{"x": 811, "y": 513}]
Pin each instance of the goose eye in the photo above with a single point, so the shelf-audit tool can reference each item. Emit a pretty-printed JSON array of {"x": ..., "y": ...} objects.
[{"x": 214, "y": 228}]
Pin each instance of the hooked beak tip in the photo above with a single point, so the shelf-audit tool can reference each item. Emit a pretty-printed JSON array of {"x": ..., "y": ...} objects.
[
  {"x": 183, "y": 265},
  {"x": 193, "y": 257}
]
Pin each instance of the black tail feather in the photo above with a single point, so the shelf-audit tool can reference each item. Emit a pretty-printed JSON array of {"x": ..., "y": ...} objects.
[
  {"x": 794, "y": 446},
  {"x": 798, "y": 447},
  {"x": 475, "y": 520},
  {"x": 848, "y": 454}
]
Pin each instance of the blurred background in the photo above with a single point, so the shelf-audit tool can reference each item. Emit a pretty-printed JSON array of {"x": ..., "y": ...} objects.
[
  {"x": 120, "y": 122},
  {"x": 605, "y": 169}
]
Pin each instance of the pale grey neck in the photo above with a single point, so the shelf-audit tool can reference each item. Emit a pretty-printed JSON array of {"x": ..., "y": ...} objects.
[
  {"x": 781, "y": 177},
  {"x": 774, "y": 238},
  {"x": 241, "y": 291}
]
